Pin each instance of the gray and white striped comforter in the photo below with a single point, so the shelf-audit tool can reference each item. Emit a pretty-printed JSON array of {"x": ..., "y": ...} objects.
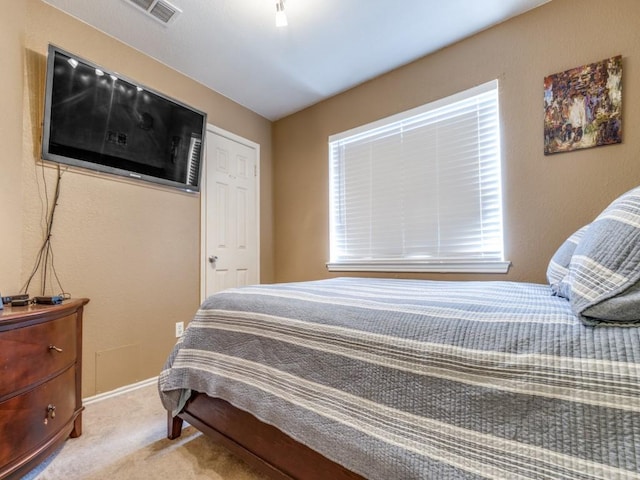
[{"x": 413, "y": 379}]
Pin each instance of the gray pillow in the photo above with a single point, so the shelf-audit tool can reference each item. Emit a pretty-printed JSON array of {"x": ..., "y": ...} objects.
[
  {"x": 604, "y": 272},
  {"x": 558, "y": 267}
]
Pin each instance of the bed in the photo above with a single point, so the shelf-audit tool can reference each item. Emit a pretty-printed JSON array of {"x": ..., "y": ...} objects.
[{"x": 351, "y": 378}]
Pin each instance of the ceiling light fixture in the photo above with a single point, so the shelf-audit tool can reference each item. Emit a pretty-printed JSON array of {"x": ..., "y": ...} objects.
[{"x": 281, "y": 17}]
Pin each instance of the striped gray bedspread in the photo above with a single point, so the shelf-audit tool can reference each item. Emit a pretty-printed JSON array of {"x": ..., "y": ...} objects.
[{"x": 415, "y": 379}]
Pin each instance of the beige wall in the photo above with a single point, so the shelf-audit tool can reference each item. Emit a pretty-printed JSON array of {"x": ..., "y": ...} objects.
[
  {"x": 130, "y": 247},
  {"x": 545, "y": 197},
  {"x": 11, "y": 37}
]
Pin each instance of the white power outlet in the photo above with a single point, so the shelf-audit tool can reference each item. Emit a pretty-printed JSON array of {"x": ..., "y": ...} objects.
[{"x": 179, "y": 329}]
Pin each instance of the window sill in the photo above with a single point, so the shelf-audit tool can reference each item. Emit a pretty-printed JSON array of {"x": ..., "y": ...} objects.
[{"x": 465, "y": 266}]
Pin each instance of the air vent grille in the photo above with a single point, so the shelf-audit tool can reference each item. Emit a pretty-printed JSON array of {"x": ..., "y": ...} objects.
[{"x": 161, "y": 10}]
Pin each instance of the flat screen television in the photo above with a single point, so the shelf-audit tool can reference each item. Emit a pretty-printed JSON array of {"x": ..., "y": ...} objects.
[{"x": 102, "y": 121}]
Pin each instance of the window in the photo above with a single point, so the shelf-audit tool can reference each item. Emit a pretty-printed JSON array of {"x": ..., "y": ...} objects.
[{"x": 420, "y": 191}]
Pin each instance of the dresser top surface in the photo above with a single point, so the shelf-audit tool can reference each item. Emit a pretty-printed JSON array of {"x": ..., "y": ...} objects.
[{"x": 34, "y": 311}]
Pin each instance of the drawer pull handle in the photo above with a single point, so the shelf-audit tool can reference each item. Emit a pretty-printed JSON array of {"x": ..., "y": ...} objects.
[
  {"x": 51, "y": 413},
  {"x": 53, "y": 347}
]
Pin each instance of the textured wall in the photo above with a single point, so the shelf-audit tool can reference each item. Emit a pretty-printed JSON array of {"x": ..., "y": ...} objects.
[
  {"x": 12, "y": 40},
  {"x": 545, "y": 197}
]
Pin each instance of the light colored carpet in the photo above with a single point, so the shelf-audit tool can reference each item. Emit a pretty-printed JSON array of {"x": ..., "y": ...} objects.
[{"x": 124, "y": 437}]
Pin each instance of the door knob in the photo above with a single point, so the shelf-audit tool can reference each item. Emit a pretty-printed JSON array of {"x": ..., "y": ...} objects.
[{"x": 213, "y": 259}]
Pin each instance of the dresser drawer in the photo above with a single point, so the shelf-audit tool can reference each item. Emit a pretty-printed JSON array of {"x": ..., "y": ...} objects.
[
  {"x": 25, "y": 422},
  {"x": 34, "y": 353}
]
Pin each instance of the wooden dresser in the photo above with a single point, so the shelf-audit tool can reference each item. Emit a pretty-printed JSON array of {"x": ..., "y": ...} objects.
[{"x": 40, "y": 390}]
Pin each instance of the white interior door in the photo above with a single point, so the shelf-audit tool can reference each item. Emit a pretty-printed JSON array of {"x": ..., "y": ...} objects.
[{"x": 229, "y": 212}]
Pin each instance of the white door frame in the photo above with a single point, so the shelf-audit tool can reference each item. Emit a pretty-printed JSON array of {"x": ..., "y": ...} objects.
[{"x": 203, "y": 196}]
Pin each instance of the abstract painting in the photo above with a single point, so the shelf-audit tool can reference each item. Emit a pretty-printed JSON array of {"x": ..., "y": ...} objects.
[{"x": 583, "y": 107}]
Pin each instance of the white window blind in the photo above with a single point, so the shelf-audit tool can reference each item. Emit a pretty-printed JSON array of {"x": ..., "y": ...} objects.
[{"x": 421, "y": 190}]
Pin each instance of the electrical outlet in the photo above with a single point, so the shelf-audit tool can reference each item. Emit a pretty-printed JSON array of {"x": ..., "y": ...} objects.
[{"x": 179, "y": 329}]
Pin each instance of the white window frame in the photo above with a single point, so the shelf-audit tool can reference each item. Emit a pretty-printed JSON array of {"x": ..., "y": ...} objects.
[{"x": 476, "y": 262}]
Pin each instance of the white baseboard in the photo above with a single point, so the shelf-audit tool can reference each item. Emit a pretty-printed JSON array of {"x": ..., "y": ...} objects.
[{"x": 119, "y": 391}]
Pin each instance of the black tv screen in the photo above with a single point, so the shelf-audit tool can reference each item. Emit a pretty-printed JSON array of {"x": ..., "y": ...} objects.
[{"x": 100, "y": 120}]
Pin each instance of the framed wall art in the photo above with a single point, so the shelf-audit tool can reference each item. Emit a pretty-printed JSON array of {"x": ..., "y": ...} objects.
[{"x": 583, "y": 107}]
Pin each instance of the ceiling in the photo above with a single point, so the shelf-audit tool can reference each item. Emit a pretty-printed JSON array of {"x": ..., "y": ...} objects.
[{"x": 329, "y": 46}]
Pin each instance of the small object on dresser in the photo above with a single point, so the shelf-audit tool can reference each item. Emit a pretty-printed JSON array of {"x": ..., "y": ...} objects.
[
  {"x": 11, "y": 298},
  {"x": 20, "y": 302},
  {"x": 54, "y": 300}
]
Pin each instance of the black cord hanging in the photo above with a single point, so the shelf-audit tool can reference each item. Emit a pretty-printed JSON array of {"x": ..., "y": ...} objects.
[{"x": 44, "y": 258}]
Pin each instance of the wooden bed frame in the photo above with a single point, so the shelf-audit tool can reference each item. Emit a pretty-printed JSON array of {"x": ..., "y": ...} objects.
[{"x": 262, "y": 446}]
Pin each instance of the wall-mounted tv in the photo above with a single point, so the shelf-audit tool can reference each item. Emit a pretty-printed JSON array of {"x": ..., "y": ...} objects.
[{"x": 100, "y": 120}]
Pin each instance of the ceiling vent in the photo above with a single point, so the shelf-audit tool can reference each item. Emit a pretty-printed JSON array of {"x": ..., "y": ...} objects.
[{"x": 162, "y": 11}]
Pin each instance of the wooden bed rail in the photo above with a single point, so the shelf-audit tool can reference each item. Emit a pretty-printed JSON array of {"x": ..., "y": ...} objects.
[{"x": 263, "y": 446}]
